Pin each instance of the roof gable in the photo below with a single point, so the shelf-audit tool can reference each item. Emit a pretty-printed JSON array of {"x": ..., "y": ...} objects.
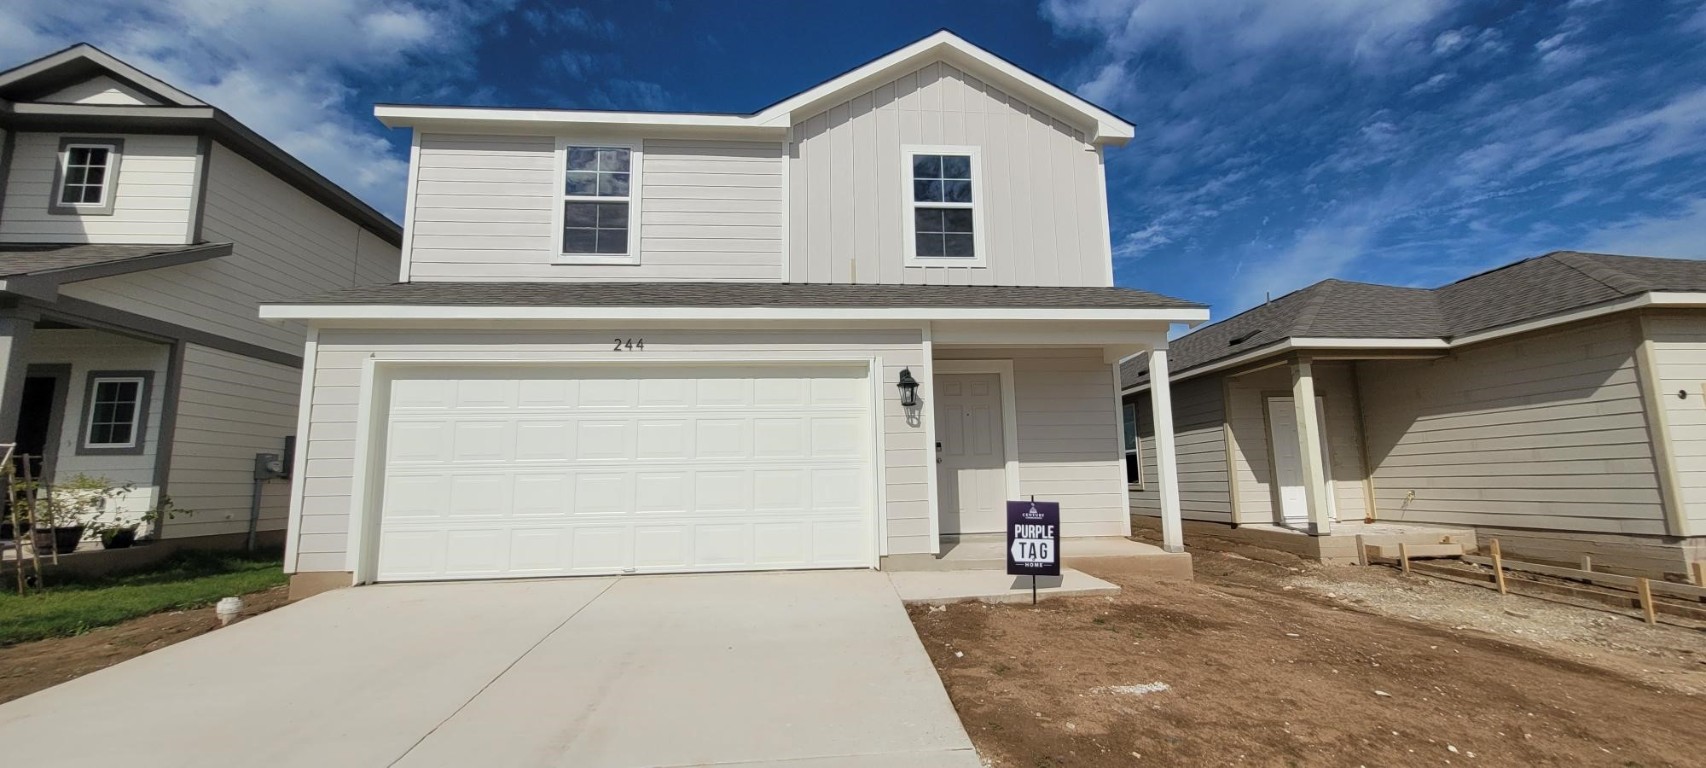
[{"x": 49, "y": 77}]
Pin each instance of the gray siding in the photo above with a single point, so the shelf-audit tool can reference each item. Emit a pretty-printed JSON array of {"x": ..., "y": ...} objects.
[
  {"x": 1680, "y": 356},
  {"x": 153, "y": 199},
  {"x": 1200, "y": 442},
  {"x": 1543, "y": 431},
  {"x": 1252, "y": 457},
  {"x": 230, "y": 408},
  {"x": 285, "y": 245},
  {"x": 484, "y": 205},
  {"x": 1043, "y": 214}
]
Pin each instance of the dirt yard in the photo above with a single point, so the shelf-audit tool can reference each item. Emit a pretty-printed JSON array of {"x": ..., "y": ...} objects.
[
  {"x": 1270, "y": 660},
  {"x": 29, "y": 667}
]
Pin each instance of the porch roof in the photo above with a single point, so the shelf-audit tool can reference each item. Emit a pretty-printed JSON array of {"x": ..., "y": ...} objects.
[{"x": 37, "y": 269}]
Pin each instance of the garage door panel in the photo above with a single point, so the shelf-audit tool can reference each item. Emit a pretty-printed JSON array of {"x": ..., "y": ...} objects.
[{"x": 539, "y": 471}]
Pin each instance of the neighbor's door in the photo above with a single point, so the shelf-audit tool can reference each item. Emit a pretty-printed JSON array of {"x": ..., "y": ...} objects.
[
  {"x": 1288, "y": 464},
  {"x": 971, "y": 455}
]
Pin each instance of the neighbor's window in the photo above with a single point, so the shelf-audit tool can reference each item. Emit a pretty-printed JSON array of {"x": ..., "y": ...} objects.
[
  {"x": 1133, "y": 448},
  {"x": 114, "y": 412},
  {"x": 87, "y": 171},
  {"x": 597, "y": 185},
  {"x": 943, "y": 217}
]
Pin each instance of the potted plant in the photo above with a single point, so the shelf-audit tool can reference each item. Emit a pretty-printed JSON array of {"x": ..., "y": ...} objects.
[{"x": 65, "y": 511}]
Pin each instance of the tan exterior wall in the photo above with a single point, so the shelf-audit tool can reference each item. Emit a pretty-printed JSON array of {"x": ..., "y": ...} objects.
[
  {"x": 1068, "y": 433},
  {"x": 330, "y": 444},
  {"x": 1043, "y": 216},
  {"x": 1200, "y": 441},
  {"x": 1252, "y": 456},
  {"x": 484, "y": 204},
  {"x": 1544, "y": 431},
  {"x": 153, "y": 200}
]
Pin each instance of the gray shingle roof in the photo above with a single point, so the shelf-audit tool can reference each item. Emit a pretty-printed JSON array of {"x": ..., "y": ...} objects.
[
  {"x": 708, "y": 294},
  {"x": 1533, "y": 288},
  {"x": 18, "y": 260}
]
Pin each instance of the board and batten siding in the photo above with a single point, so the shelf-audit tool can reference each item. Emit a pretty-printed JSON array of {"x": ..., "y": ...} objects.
[
  {"x": 153, "y": 199},
  {"x": 484, "y": 205},
  {"x": 230, "y": 407},
  {"x": 1679, "y": 355},
  {"x": 285, "y": 244},
  {"x": 1068, "y": 433},
  {"x": 1546, "y": 431},
  {"x": 322, "y": 543},
  {"x": 1205, "y": 492},
  {"x": 1042, "y": 209}
]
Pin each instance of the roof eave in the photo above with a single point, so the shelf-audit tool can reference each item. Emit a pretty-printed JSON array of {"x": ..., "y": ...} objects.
[
  {"x": 333, "y": 312},
  {"x": 44, "y": 284}
]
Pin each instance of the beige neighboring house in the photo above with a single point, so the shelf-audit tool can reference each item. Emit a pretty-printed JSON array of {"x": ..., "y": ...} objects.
[
  {"x": 140, "y": 230},
  {"x": 837, "y": 331},
  {"x": 1557, "y": 404}
]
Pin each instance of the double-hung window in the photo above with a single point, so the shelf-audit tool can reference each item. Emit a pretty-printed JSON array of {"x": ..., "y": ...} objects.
[
  {"x": 1133, "y": 446},
  {"x": 115, "y": 412},
  {"x": 599, "y": 208},
  {"x": 944, "y": 217},
  {"x": 84, "y": 179}
]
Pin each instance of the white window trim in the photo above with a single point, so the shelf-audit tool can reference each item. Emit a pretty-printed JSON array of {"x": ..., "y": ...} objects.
[
  {"x": 1136, "y": 437},
  {"x": 979, "y": 207},
  {"x": 559, "y": 197},
  {"x": 137, "y": 415},
  {"x": 107, "y": 179}
]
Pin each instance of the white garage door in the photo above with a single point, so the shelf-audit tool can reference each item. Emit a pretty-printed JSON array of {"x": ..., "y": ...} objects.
[{"x": 502, "y": 473}]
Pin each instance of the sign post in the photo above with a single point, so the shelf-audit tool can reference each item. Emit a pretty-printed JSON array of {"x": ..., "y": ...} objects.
[{"x": 1033, "y": 540}]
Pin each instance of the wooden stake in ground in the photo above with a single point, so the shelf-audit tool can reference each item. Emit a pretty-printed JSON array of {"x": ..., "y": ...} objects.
[
  {"x": 1499, "y": 568},
  {"x": 1644, "y": 588},
  {"x": 1587, "y": 563},
  {"x": 17, "y": 523},
  {"x": 1404, "y": 556},
  {"x": 1700, "y": 574}
]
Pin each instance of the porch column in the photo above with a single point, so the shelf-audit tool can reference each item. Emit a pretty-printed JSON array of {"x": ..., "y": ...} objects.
[
  {"x": 15, "y": 328},
  {"x": 1166, "y": 466},
  {"x": 1309, "y": 439}
]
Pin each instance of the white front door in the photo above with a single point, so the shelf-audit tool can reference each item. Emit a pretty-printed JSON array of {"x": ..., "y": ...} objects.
[
  {"x": 972, "y": 458},
  {"x": 1288, "y": 463},
  {"x": 551, "y": 471}
]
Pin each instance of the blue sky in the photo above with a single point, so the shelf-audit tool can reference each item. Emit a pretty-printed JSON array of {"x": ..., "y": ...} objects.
[{"x": 1278, "y": 143}]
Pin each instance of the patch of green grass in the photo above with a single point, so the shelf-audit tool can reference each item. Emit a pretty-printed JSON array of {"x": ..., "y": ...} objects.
[{"x": 72, "y": 605}]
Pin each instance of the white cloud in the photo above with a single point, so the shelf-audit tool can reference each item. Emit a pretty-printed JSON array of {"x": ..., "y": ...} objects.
[
  {"x": 283, "y": 68},
  {"x": 1320, "y": 252},
  {"x": 1431, "y": 85},
  {"x": 1681, "y": 236}
]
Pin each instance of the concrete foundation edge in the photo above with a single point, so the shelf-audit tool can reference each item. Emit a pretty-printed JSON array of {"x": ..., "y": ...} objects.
[{"x": 310, "y": 584}]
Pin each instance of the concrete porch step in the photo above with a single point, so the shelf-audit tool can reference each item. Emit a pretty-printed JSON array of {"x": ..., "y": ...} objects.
[{"x": 1417, "y": 551}]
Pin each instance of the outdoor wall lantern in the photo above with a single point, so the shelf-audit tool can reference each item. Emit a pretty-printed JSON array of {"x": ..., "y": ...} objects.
[{"x": 908, "y": 388}]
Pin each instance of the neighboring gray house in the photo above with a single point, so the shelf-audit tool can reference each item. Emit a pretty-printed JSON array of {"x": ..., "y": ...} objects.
[
  {"x": 140, "y": 229},
  {"x": 635, "y": 342},
  {"x": 1558, "y": 403}
]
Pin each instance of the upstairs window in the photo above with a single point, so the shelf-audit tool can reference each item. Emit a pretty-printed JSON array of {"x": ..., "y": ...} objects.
[
  {"x": 85, "y": 176},
  {"x": 943, "y": 224},
  {"x": 599, "y": 217}
]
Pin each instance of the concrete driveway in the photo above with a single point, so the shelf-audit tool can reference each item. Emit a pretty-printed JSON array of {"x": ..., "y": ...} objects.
[{"x": 788, "y": 669}]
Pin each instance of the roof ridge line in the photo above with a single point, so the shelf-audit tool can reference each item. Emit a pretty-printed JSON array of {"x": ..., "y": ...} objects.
[
  {"x": 1312, "y": 307},
  {"x": 1604, "y": 275}
]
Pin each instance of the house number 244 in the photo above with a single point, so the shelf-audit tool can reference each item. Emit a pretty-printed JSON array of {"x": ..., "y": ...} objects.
[{"x": 630, "y": 345}]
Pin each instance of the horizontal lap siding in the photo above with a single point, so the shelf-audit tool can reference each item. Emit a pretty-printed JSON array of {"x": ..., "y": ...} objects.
[
  {"x": 87, "y": 351},
  {"x": 1042, "y": 210},
  {"x": 484, "y": 210},
  {"x": 285, "y": 245},
  {"x": 1545, "y": 431},
  {"x": 1200, "y": 443},
  {"x": 1069, "y": 442},
  {"x": 1680, "y": 354},
  {"x": 230, "y": 408},
  {"x": 152, "y": 203},
  {"x": 1336, "y": 387},
  {"x": 330, "y": 446}
]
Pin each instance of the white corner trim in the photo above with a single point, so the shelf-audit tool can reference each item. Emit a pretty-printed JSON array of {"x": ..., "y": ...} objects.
[
  {"x": 1119, "y": 449},
  {"x": 879, "y": 471},
  {"x": 1107, "y": 222},
  {"x": 909, "y": 206},
  {"x": 364, "y": 481},
  {"x": 512, "y": 312},
  {"x": 927, "y": 372},
  {"x": 787, "y": 205},
  {"x": 1009, "y": 410},
  {"x": 405, "y": 263},
  {"x": 299, "y": 466}
]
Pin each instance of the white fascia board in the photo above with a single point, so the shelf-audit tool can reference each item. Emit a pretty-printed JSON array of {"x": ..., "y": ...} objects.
[
  {"x": 523, "y": 120},
  {"x": 1621, "y": 305},
  {"x": 398, "y": 312},
  {"x": 1305, "y": 345}
]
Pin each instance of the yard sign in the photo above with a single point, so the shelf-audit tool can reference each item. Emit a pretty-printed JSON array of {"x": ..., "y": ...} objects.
[{"x": 1033, "y": 538}]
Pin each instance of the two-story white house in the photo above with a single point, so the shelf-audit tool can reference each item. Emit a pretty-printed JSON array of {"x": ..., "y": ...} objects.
[
  {"x": 841, "y": 329},
  {"x": 140, "y": 229}
]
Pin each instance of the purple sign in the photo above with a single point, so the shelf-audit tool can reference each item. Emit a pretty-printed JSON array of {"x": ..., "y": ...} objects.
[{"x": 1033, "y": 538}]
